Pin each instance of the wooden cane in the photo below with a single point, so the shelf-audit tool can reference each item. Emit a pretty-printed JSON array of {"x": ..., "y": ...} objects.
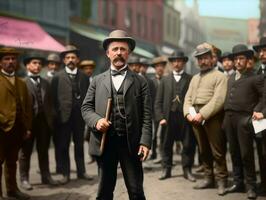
[{"x": 107, "y": 116}]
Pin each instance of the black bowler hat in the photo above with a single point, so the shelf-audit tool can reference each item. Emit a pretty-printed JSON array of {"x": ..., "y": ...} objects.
[
  {"x": 241, "y": 49},
  {"x": 178, "y": 55},
  {"x": 260, "y": 45},
  {"x": 226, "y": 55},
  {"x": 32, "y": 56}
]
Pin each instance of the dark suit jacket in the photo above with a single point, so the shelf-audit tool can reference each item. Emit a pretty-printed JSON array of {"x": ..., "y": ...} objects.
[
  {"x": 245, "y": 94},
  {"x": 8, "y": 104},
  {"x": 46, "y": 99},
  {"x": 165, "y": 95},
  {"x": 137, "y": 109},
  {"x": 62, "y": 93}
]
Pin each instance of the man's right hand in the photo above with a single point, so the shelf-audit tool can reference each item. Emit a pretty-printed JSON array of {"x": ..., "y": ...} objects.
[
  {"x": 163, "y": 122},
  {"x": 189, "y": 118},
  {"x": 102, "y": 125}
]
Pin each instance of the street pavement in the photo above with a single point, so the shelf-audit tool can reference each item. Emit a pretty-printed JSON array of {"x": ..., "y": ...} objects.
[{"x": 175, "y": 188}]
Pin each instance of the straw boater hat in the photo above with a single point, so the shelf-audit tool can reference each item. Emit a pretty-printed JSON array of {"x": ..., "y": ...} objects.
[
  {"x": 119, "y": 35},
  {"x": 262, "y": 44},
  {"x": 8, "y": 50},
  {"x": 159, "y": 60},
  {"x": 70, "y": 49},
  {"x": 84, "y": 63},
  {"x": 226, "y": 55},
  {"x": 32, "y": 56},
  {"x": 241, "y": 49},
  {"x": 178, "y": 55}
]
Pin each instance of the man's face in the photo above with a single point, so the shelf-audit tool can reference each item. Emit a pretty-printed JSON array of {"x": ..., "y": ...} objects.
[
  {"x": 228, "y": 64},
  {"x": 34, "y": 66},
  {"x": 214, "y": 59},
  {"x": 178, "y": 64},
  {"x": 88, "y": 69},
  {"x": 118, "y": 53},
  {"x": 135, "y": 67},
  {"x": 9, "y": 63},
  {"x": 262, "y": 55},
  {"x": 143, "y": 69},
  {"x": 159, "y": 69},
  {"x": 53, "y": 66},
  {"x": 71, "y": 60},
  {"x": 205, "y": 62},
  {"x": 240, "y": 62}
]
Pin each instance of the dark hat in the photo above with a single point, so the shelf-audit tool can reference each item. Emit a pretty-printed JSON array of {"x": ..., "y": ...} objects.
[
  {"x": 133, "y": 60},
  {"x": 84, "y": 63},
  {"x": 70, "y": 49},
  {"x": 226, "y": 55},
  {"x": 32, "y": 56},
  {"x": 8, "y": 50},
  {"x": 158, "y": 60},
  {"x": 241, "y": 49},
  {"x": 260, "y": 45},
  {"x": 53, "y": 57},
  {"x": 119, "y": 35},
  {"x": 201, "y": 50},
  {"x": 144, "y": 62},
  {"x": 178, "y": 55}
]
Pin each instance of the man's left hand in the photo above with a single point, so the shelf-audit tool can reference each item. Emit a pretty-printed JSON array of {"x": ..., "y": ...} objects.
[
  {"x": 257, "y": 116},
  {"x": 143, "y": 152},
  {"x": 198, "y": 119}
]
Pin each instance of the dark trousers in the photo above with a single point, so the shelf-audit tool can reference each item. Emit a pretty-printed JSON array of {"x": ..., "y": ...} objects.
[
  {"x": 73, "y": 127},
  {"x": 40, "y": 133},
  {"x": 240, "y": 138},
  {"x": 177, "y": 125},
  {"x": 56, "y": 141},
  {"x": 10, "y": 143},
  {"x": 154, "y": 139},
  {"x": 116, "y": 150},
  {"x": 212, "y": 146},
  {"x": 261, "y": 150}
]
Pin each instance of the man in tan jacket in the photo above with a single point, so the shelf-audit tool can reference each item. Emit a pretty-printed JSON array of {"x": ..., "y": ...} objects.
[
  {"x": 15, "y": 120},
  {"x": 205, "y": 96}
]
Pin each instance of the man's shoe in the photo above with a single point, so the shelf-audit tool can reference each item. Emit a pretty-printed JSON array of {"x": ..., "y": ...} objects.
[
  {"x": 200, "y": 169},
  {"x": 26, "y": 185},
  {"x": 188, "y": 175},
  {"x": 262, "y": 189},
  {"x": 207, "y": 183},
  {"x": 85, "y": 177},
  {"x": 49, "y": 181},
  {"x": 221, "y": 187},
  {"x": 64, "y": 180},
  {"x": 251, "y": 194},
  {"x": 18, "y": 195},
  {"x": 157, "y": 161},
  {"x": 165, "y": 174},
  {"x": 236, "y": 188}
]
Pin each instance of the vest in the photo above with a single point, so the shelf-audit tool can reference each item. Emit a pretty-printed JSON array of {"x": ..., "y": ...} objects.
[
  {"x": 178, "y": 99},
  {"x": 75, "y": 91}
]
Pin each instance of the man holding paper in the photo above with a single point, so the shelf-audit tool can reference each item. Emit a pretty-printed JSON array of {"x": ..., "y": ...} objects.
[{"x": 205, "y": 96}]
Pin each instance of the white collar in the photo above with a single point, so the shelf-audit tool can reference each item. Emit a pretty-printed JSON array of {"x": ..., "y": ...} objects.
[
  {"x": 69, "y": 71},
  {"x": 231, "y": 71},
  {"x": 5, "y": 73},
  {"x": 31, "y": 74},
  {"x": 178, "y": 73},
  {"x": 113, "y": 68}
]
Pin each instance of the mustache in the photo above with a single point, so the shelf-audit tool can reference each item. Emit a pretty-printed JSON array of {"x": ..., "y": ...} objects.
[
  {"x": 11, "y": 65},
  {"x": 119, "y": 59},
  {"x": 70, "y": 63}
]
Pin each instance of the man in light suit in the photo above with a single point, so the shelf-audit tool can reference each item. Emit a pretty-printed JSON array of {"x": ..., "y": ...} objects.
[
  {"x": 69, "y": 87},
  {"x": 15, "y": 120},
  {"x": 129, "y": 129},
  {"x": 42, "y": 109}
]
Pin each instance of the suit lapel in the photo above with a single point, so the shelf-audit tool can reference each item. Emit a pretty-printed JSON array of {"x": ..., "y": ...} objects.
[
  {"x": 107, "y": 81},
  {"x": 8, "y": 85},
  {"x": 66, "y": 78},
  {"x": 129, "y": 79}
]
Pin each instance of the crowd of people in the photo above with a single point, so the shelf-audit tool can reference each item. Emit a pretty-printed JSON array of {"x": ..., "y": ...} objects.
[{"x": 128, "y": 117}]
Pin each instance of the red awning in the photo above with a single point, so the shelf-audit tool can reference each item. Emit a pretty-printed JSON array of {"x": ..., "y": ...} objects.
[{"x": 26, "y": 34}]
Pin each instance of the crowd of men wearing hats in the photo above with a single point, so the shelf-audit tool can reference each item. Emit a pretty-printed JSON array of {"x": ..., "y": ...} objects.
[{"x": 209, "y": 110}]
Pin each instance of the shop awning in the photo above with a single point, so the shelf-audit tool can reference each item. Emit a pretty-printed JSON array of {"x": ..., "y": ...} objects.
[
  {"x": 27, "y": 35},
  {"x": 90, "y": 33}
]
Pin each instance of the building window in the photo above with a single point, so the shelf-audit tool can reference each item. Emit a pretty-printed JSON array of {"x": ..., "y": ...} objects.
[
  {"x": 113, "y": 8},
  {"x": 128, "y": 19},
  {"x": 174, "y": 27}
]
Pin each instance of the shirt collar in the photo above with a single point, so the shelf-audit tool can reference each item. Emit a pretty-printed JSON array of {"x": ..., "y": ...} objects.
[
  {"x": 113, "y": 68},
  {"x": 231, "y": 71},
  {"x": 32, "y": 75},
  {"x": 69, "y": 71},
  {"x": 178, "y": 73},
  {"x": 7, "y": 74}
]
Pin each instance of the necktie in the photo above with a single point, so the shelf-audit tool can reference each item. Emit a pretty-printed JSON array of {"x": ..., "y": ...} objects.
[
  {"x": 121, "y": 72},
  {"x": 72, "y": 76},
  {"x": 35, "y": 78}
]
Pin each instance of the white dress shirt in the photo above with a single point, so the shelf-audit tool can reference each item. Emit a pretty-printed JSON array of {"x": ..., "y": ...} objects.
[
  {"x": 177, "y": 75},
  {"x": 69, "y": 71},
  {"x": 118, "y": 79}
]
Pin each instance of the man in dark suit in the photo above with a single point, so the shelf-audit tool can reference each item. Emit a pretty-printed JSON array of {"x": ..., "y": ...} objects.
[
  {"x": 261, "y": 138},
  {"x": 169, "y": 112},
  {"x": 15, "y": 120},
  {"x": 69, "y": 87},
  {"x": 40, "y": 93},
  {"x": 243, "y": 97},
  {"x": 129, "y": 129},
  {"x": 52, "y": 67}
]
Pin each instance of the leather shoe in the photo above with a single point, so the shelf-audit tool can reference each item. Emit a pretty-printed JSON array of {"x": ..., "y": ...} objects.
[
  {"x": 64, "y": 180},
  {"x": 18, "y": 195},
  {"x": 221, "y": 187},
  {"x": 251, "y": 194},
  {"x": 49, "y": 181},
  {"x": 200, "y": 169},
  {"x": 236, "y": 188},
  {"x": 189, "y": 176},
  {"x": 207, "y": 183},
  {"x": 85, "y": 177},
  {"x": 165, "y": 174},
  {"x": 26, "y": 185}
]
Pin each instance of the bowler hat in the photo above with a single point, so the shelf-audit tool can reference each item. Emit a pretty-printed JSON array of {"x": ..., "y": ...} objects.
[
  {"x": 84, "y": 63},
  {"x": 133, "y": 60},
  {"x": 178, "y": 55},
  {"x": 226, "y": 55},
  {"x": 159, "y": 60},
  {"x": 32, "y": 56},
  {"x": 260, "y": 45},
  {"x": 144, "y": 61},
  {"x": 119, "y": 35},
  {"x": 8, "y": 50},
  {"x": 201, "y": 50},
  {"x": 70, "y": 49},
  {"x": 53, "y": 57},
  {"x": 241, "y": 49}
]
